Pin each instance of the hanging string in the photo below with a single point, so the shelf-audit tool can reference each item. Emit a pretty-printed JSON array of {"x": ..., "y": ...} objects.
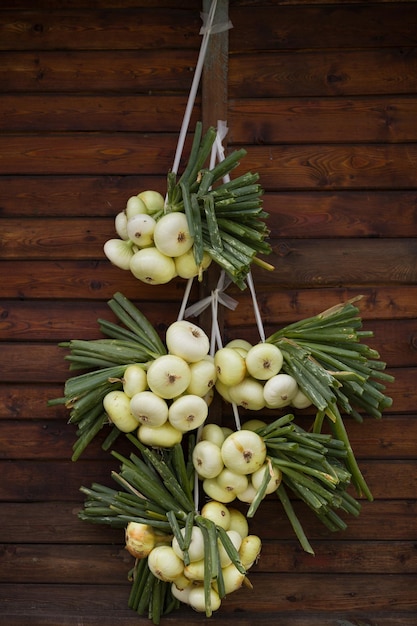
[{"x": 256, "y": 311}]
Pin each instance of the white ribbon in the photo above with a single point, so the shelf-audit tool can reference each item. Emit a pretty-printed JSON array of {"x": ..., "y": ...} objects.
[
  {"x": 220, "y": 27},
  {"x": 218, "y": 296}
]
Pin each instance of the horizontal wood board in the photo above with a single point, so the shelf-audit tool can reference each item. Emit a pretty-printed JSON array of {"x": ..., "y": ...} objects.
[{"x": 323, "y": 96}]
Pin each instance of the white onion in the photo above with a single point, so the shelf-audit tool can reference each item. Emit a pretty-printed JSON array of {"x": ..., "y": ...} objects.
[
  {"x": 168, "y": 376},
  {"x": 117, "y": 406},
  {"x": 249, "y": 394},
  {"x": 280, "y": 390},
  {"x": 212, "y": 488},
  {"x": 243, "y": 451},
  {"x": 231, "y": 481},
  {"x": 171, "y": 235},
  {"x": 207, "y": 459},
  {"x": 119, "y": 252},
  {"x": 300, "y": 400},
  {"x": 134, "y": 206},
  {"x": 187, "y": 340},
  {"x": 257, "y": 478},
  {"x": 140, "y": 539},
  {"x": 195, "y": 570},
  {"x": 152, "y": 267},
  {"x": 134, "y": 379},
  {"x": 203, "y": 376},
  {"x": 120, "y": 224},
  {"x": 248, "y": 495},
  {"x": 140, "y": 229},
  {"x": 230, "y": 366},
  {"x": 264, "y": 360},
  {"x": 213, "y": 433},
  {"x": 232, "y": 578},
  {"x": 253, "y": 424},
  {"x": 149, "y": 409},
  {"x": 187, "y": 412},
  {"x": 154, "y": 201},
  {"x": 196, "y": 546},
  {"x": 180, "y": 591},
  {"x": 217, "y": 512},
  {"x": 236, "y": 540},
  {"x": 187, "y": 267},
  {"x": 239, "y": 344},
  {"x": 165, "y": 436},
  {"x": 250, "y": 550},
  {"x": 165, "y": 564},
  {"x": 197, "y": 599},
  {"x": 238, "y": 522}
]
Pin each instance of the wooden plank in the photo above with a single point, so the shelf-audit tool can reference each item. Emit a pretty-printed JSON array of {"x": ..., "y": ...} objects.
[
  {"x": 280, "y": 27},
  {"x": 321, "y": 120},
  {"x": 43, "y": 71},
  {"x": 81, "y": 112},
  {"x": 27, "y": 480},
  {"x": 372, "y": 439},
  {"x": 89, "y": 564},
  {"x": 340, "y": 72},
  {"x": 23, "y": 521},
  {"x": 81, "y": 280},
  {"x": 73, "y": 196},
  {"x": 87, "y": 29}
]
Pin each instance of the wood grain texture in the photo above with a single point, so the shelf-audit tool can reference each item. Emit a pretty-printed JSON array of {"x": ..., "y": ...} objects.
[{"x": 322, "y": 95}]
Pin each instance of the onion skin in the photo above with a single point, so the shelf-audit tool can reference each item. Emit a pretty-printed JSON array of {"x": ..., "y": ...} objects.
[
  {"x": 117, "y": 406},
  {"x": 243, "y": 452}
]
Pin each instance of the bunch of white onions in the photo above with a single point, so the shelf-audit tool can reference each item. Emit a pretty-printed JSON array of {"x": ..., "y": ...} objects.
[
  {"x": 155, "y": 246},
  {"x": 169, "y": 396},
  {"x": 234, "y": 465},
  {"x": 186, "y": 569},
  {"x": 250, "y": 376}
]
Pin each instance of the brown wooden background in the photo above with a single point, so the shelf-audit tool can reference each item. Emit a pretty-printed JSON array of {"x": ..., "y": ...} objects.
[{"x": 324, "y": 97}]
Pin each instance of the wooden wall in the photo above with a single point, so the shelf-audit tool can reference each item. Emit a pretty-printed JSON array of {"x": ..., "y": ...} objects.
[{"x": 324, "y": 98}]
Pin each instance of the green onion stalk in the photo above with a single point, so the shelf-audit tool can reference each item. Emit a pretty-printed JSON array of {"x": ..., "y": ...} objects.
[
  {"x": 338, "y": 372},
  {"x": 103, "y": 362},
  {"x": 225, "y": 217}
]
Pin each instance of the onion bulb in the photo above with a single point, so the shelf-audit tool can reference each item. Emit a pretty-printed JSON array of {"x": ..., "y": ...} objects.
[
  {"x": 213, "y": 433},
  {"x": 119, "y": 252},
  {"x": 149, "y": 409},
  {"x": 168, "y": 376},
  {"x": 249, "y": 394},
  {"x": 140, "y": 229},
  {"x": 232, "y": 578},
  {"x": 187, "y": 340},
  {"x": 120, "y": 224},
  {"x": 196, "y": 546},
  {"x": 134, "y": 206},
  {"x": 203, "y": 376},
  {"x": 280, "y": 390},
  {"x": 207, "y": 459},
  {"x": 141, "y": 539},
  {"x": 165, "y": 564},
  {"x": 300, "y": 400},
  {"x": 197, "y": 599},
  {"x": 187, "y": 267},
  {"x": 187, "y": 412},
  {"x": 236, "y": 540},
  {"x": 275, "y": 477},
  {"x": 180, "y": 590},
  {"x": 250, "y": 550},
  {"x": 230, "y": 366},
  {"x": 212, "y": 488},
  {"x": 231, "y": 481},
  {"x": 171, "y": 235},
  {"x": 218, "y": 513},
  {"x": 134, "y": 379},
  {"x": 238, "y": 522},
  {"x": 154, "y": 201},
  {"x": 264, "y": 360},
  {"x": 165, "y": 436},
  {"x": 152, "y": 267},
  {"x": 243, "y": 452},
  {"x": 253, "y": 424},
  {"x": 117, "y": 406}
]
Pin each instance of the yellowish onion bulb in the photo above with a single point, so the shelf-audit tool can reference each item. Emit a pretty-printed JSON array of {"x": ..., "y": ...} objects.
[
  {"x": 140, "y": 229},
  {"x": 134, "y": 379},
  {"x": 180, "y": 590},
  {"x": 248, "y": 495},
  {"x": 230, "y": 366},
  {"x": 152, "y": 267},
  {"x": 249, "y": 394},
  {"x": 117, "y": 406},
  {"x": 264, "y": 360},
  {"x": 197, "y": 599},
  {"x": 195, "y": 570},
  {"x": 217, "y": 512},
  {"x": 243, "y": 452},
  {"x": 149, "y": 409},
  {"x": 250, "y": 550},
  {"x": 165, "y": 436},
  {"x": 141, "y": 539},
  {"x": 165, "y": 564},
  {"x": 280, "y": 390},
  {"x": 154, "y": 201},
  {"x": 213, "y": 433},
  {"x": 238, "y": 522},
  {"x": 231, "y": 481},
  {"x": 196, "y": 547},
  {"x": 188, "y": 412},
  {"x": 207, "y": 459},
  {"x": 232, "y": 579},
  {"x": 119, "y": 252},
  {"x": 187, "y": 340},
  {"x": 120, "y": 224},
  {"x": 187, "y": 267},
  {"x": 213, "y": 490},
  {"x": 275, "y": 477},
  {"x": 172, "y": 235},
  {"x": 300, "y": 400},
  {"x": 168, "y": 376},
  {"x": 134, "y": 206},
  {"x": 253, "y": 424},
  {"x": 236, "y": 540}
]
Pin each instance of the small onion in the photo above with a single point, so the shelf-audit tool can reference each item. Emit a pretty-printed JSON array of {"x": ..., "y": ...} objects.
[
  {"x": 165, "y": 436},
  {"x": 280, "y": 390},
  {"x": 117, "y": 406},
  {"x": 187, "y": 267},
  {"x": 236, "y": 540},
  {"x": 238, "y": 522},
  {"x": 207, "y": 459},
  {"x": 134, "y": 379},
  {"x": 152, "y": 267},
  {"x": 120, "y": 224},
  {"x": 217, "y": 512},
  {"x": 212, "y": 488},
  {"x": 264, "y": 360},
  {"x": 213, "y": 433},
  {"x": 154, "y": 201},
  {"x": 165, "y": 564},
  {"x": 203, "y": 376},
  {"x": 249, "y": 394},
  {"x": 250, "y": 550},
  {"x": 231, "y": 481},
  {"x": 243, "y": 451},
  {"x": 275, "y": 478},
  {"x": 119, "y": 252},
  {"x": 232, "y": 578},
  {"x": 168, "y": 376},
  {"x": 134, "y": 206},
  {"x": 140, "y": 229},
  {"x": 196, "y": 546},
  {"x": 187, "y": 340},
  {"x": 230, "y": 366},
  {"x": 172, "y": 235},
  {"x": 197, "y": 599},
  {"x": 300, "y": 400},
  {"x": 149, "y": 409},
  {"x": 140, "y": 539},
  {"x": 188, "y": 412}
]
